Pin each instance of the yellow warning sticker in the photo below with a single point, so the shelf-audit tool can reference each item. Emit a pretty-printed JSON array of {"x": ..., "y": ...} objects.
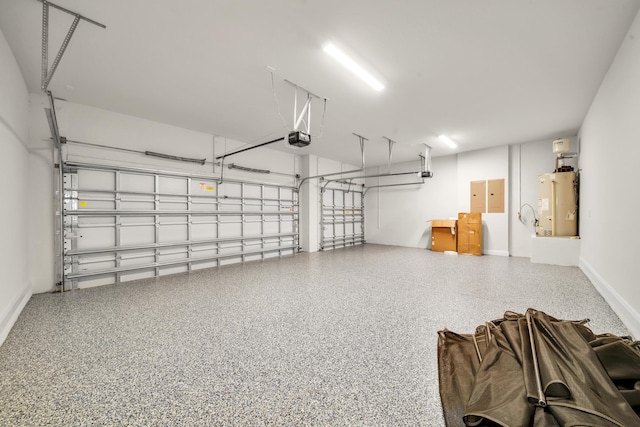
[
  {"x": 205, "y": 187},
  {"x": 83, "y": 204}
]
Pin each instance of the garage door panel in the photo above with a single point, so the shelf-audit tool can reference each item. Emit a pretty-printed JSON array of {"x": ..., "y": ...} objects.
[
  {"x": 96, "y": 263},
  {"x": 205, "y": 252},
  {"x": 203, "y": 231},
  {"x": 202, "y": 265},
  {"x": 137, "y": 183},
  {"x": 96, "y": 237},
  {"x": 348, "y": 229},
  {"x": 232, "y": 226},
  {"x": 137, "y": 235},
  {"x": 171, "y": 185},
  {"x": 89, "y": 221},
  {"x": 252, "y": 191},
  {"x": 229, "y": 189},
  {"x": 137, "y": 275},
  {"x": 133, "y": 205},
  {"x": 98, "y": 280},
  {"x": 137, "y": 220},
  {"x": 173, "y": 233},
  {"x": 96, "y": 180},
  {"x": 121, "y": 225},
  {"x": 173, "y": 205},
  {"x": 253, "y": 228},
  {"x": 167, "y": 255},
  {"x": 173, "y": 270},
  {"x": 85, "y": 203},
  {"x": 342, "y": 218},
  {"x": 270, "y": 227},
  {"x": 204, "y": 204}
]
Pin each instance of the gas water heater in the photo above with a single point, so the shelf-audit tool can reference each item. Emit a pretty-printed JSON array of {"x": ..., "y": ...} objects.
[{"x": 557, "y": 208}]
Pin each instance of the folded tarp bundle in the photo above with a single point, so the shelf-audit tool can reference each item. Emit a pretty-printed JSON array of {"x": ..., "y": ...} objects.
[{"x": 534, "y": 370}]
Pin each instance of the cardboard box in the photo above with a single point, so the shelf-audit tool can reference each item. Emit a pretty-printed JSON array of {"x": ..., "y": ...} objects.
[
  {"x": 470, "y": 233},
  {"x": 444, "y": 235}
]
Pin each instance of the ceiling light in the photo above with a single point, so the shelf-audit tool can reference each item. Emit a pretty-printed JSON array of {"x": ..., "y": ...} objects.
[
  {"x": 450, "y": 142},
  {"x": 356, "y": 69}
]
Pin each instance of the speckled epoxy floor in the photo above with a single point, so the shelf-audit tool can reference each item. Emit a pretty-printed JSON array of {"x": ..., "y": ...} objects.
[{"x": 336, "y": 338}]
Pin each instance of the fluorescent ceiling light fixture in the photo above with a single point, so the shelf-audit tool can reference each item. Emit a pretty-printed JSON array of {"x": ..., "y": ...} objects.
[
  {"x": 450, "y": 142},
  {"x": 350, "y": 64}
]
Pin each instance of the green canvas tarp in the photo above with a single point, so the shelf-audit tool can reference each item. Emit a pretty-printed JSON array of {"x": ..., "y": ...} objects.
[{"x": 533, "y": 370}]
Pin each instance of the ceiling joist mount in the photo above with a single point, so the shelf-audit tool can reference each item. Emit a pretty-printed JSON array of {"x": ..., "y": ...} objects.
[{"x": 47, "y": 73}]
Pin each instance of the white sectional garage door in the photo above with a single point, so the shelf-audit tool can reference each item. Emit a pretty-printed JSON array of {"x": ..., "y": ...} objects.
[
  {"x": 342, "y": 221},
  {"x": 125, "y": 223}
]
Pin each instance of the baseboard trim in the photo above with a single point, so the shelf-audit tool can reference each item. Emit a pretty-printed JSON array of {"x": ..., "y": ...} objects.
[
  {"x": 11, "y": 314},
  {"x": 626, "y": 313},
  {"x": 498, "y": 253}
]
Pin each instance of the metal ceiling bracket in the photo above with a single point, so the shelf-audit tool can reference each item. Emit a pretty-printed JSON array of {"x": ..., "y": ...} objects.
[
  {"x": 45, "y": 44},
  {"x": 298, "y": 118},
  {"x": 425, "y": 159},
  {"x": 53, "y": 120},
  {"x": 321, "y": 177},
  {"x": 377, "y": 175},
  {"x": 391, "y": 143},
  {"x": 425, "y": 162},
  {"x": 362, "y": 140},
  {"x": 47, "y": 74},
  {"x": 58, "y": 176}
]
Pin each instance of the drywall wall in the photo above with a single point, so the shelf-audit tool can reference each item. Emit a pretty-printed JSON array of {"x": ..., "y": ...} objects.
[
  {"x": 41, "y": 207},
  {"x": 309, "y": 206},
  {"x": 527, "y": 161},
  {"x": 401, "y": 215},
  {"x": 480, "y": 165},
  {"x": 15, "y": 289},
  {"x": 83, "y": 123},
  {"x": 610, "y": 149}
]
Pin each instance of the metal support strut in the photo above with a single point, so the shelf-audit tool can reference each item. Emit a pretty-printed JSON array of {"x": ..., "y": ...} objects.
[
  {"x": 391, "y": 143},
  {"x": 298, "y": 119},
  {"x": 362, "y": 140},
  {"x": 47, "y": 74},
  {"x": 59, "y": 196}
]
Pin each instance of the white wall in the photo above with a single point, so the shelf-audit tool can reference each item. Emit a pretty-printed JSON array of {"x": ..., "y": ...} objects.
[
  {"x": 480, "y": 165},
  {"x": 401, "y": 215},
  {"x": 527, "y": 162},
  {"x": 309, "y": 206},
  {"x": 41, "y": 207},
  {"x": 15, "y": 289},
  {"x": 610, "y": 149}
]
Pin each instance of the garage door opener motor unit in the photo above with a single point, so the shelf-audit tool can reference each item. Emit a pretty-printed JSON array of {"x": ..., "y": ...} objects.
[{"x": 299, "y": 139}]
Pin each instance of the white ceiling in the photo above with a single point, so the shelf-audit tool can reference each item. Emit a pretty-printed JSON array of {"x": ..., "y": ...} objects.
[{"x": 488, "y": 72}]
